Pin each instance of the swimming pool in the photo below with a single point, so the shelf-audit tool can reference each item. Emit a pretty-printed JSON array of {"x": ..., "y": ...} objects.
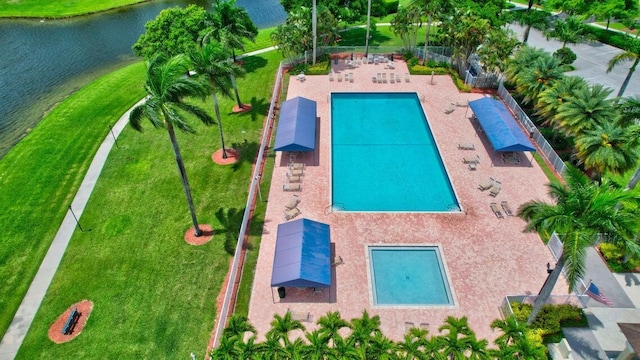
[
  {"x": 384, "y": 156},
  {"x": 408, "y": 275}
]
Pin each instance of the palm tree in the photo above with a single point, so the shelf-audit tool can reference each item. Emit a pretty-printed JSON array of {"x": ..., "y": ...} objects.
[
  {"x": 381, "y": 347},
  {"x": 234, "y": 23},
  {"x": 210, "y": 62},
  {"x": 561, "y": 92},
  {"x": 318, "y": 347},
  {"x": 586, "y": 108},
  {"x": 364, "y": 329},
  {"x": 608, "y": 147},
  {"x": 632, "y": 54},
  {"x": 271, "y": 347},
  {"x": 405, "y": 24},
  {"x": 629, "y": 109},
  {"x": 166, "y": 87},
  {"x": 238, "y": 325},
  {"x": 412, "y": 345},
  {"x": 430, "y": 9},
  {"x": 521, "y": 61},
  {"x": 538, "y": 19},
  {"x": 330, "y": 325},
  {"x": 459, "y": 339},
  {"x": 541, "y": 75},
  {"x": 572, "y": 30},
  {"x": 583, "y": 213},
  {"x": 281, "y": 326}
]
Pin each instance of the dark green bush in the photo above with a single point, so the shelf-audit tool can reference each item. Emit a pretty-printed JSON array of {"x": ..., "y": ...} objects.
[
  {"x": 413, "y": 62},
  {"x": 407, "y": 55},
  {"x": 392, "y": 6},
  {"x": 551, "y": 319},
  {"x": 615, "y": 257},
  {"x": 566, "y": 56},
  {"x": 613, "y": 38}
]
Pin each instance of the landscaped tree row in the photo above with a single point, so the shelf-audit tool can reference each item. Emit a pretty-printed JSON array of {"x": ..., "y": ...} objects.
[{"x": 361, "y": 338}]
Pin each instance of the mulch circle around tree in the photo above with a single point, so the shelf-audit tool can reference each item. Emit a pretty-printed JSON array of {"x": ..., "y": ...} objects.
[
  {"x": 245, "y": 108},
  {"x": 206, "y": 236},
  {"x": 233, "y": 156},
  {"x": 84, "y": 307}
]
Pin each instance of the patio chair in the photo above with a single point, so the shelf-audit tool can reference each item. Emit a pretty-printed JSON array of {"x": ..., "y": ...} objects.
[
  {"x": 294, "y": 178},
  {"x": 374, "y": 79},
  {"x": 495, "y": 189},
  {"x": 424, "y": 326},
  {"x": 292, "y": 203},
  {"x": 298, "y": 172},
  {"x": 379, "y": 77},
  {"x": 303, "y": 316},
  {"x": 463, "y": 146},
  {"x": 406, "y": 77},
  {"x": 392, "y": 78},
  {"x": 331, "y": 76},
  {"x": 468, "y": 160},
  {"x": 339, "y": 77},
  {"x": 408, "y": 325},
  {"x": 487, "y": 184},
  {"x": 297, "y": 166},
  {"x": 506, "y": 208},
  {"x": 398, "y": 78},
  {"x": 291, "y": 187},
  {"x": 291, "y": 213},
  {"x": 351, "y": 77},
  {"x": 449, "y": 109},
  {"x": 472, "y": 166},
  {"x": 384, "y": 78},
  {"x": 337, "y": 261},
  {"x": 301, "y": 77},
  {"x": 496, "y": 210}
]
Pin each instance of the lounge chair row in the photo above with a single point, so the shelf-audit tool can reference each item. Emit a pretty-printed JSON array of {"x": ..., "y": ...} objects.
[
  {"x": 497, "y": 210},
  {"x": 294, "y": 175},
  {"x": 471, "y": 161}
]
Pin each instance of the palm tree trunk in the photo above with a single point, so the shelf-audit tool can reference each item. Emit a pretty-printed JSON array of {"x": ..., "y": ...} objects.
[
  {"x": 426, "y": 41},
  {"x": 525, "y": 35},
  {"x": 625, "y": 83},
  {"x": 235, "y": 90},
  {"x": 546, "y": 290},
  {"x": 219, "y": 118},
  {"x": 366, "y": 51},
  {"x": 183, "y": 177},
  {"x": 314, "y": 25}
]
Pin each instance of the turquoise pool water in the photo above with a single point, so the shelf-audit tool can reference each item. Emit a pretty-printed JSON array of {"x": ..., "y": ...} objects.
[
  {"x": 408, "y": 275},
  {"x": 384, "y": 157}
]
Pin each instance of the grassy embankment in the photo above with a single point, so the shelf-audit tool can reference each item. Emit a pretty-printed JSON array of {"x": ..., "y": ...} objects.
[
  {"x": 154, "y": 295},
  {"x": 58, "y": 9}
]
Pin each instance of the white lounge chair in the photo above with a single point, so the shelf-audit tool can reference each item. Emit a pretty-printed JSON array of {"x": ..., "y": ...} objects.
[
  {"x": 506, "y": 208},
  {"x": 468, "y": 160},
  {"x": 466, "y": 146},
  {"x": 496, "y": 210},
  {"x": 291, "y": 213},
  {"x": 292, "y": 203},
  {"x": 292, "y": 187},
  {"x": 331, "y": 76},
  {"x": 351, "y": 77},
  {"x": 406, "y": 77}
]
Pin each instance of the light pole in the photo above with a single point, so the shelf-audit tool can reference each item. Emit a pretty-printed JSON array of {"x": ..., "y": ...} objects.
[{"x": 366, "y": 51}]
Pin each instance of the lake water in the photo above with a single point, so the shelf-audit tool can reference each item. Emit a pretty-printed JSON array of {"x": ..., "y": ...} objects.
[{"x": 43, "y": 62}]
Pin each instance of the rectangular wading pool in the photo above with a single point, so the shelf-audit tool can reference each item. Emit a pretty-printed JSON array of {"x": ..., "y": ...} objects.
[
  {"x": 384, "y": 156},
  {"x": 408, "y": 275}
]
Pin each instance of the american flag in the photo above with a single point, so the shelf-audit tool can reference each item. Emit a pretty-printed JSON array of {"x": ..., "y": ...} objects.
[{"x": 597, "y": 295}]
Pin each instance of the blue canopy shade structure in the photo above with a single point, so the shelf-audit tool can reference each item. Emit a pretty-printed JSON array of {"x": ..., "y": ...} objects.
[
  {"x": 297, "y": 125},
  {"x": 500, "y": 126},
  {"x": 303, "y": 255}
]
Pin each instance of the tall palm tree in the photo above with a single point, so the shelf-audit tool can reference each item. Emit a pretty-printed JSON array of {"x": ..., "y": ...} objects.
[
  {"x": 238, "y": 325},
  {"x": 538, "y": 19},
  {"x": 364, "y": 329},
  {"x": 430, "y": 9},
  {"x": 405, "y": 24},
  {"x": 210, "y": 62},
  {"x": 318, "y": 345},
  {"x": 521, "y": 61},
  {"x": 381, "y": 347},
  {"x": 583, "y": 213},
  {"x": 271, "y": 348},
  {"x": 572, "y": 30},
  {"x": 166, "y": 88},
  {"x": 632, "y": 54},
  {"x": 232, "y": 22},
  {"x": 587, "y": 107},
  {"x": 608, "y": 147}
]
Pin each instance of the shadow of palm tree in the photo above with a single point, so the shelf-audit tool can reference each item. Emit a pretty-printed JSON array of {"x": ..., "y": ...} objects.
[
  {"x": 356, "y": 37},
  {"x": 248, "y": 151},
  {"x": 231, "y": 220},
  {"x": 253, "y": 63},
  {"x": 259, "y": 108}
]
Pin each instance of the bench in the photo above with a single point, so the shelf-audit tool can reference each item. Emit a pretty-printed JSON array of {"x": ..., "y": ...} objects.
[{"x": 67, "y": 329}]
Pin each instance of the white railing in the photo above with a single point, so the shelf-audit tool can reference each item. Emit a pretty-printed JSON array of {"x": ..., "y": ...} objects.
[{"x": 236, "y": 266}]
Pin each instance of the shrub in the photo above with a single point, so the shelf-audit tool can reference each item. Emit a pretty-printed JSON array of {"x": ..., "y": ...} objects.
[
  {"x": 392, "y": 6},
  {"x": 459, "y": 82},
  {"x": 566, "y": 56},
  {"x": 615, "y": 257},
  {"x": 407, "y": 55},
  {"x": 413, "y": 61},
  {"x": 551, "y": 319}
]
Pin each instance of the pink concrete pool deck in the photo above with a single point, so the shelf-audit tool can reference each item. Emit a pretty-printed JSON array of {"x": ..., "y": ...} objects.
[{"x": 485, "y": 258}]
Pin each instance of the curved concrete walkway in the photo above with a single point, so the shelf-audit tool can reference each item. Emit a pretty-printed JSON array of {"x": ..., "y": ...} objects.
[{"x": 23, "y": 318}]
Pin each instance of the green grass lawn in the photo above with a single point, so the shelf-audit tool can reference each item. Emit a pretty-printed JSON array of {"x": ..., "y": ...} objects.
[
  {"x": 154, "y": 295},
  {"x": 62, "y": 8},
  {"x": 383, "y": 36},
  {"x": 41, "y": 174}
]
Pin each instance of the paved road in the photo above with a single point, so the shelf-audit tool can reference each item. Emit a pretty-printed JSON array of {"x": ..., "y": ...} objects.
[{"x": 592, "y": 62}]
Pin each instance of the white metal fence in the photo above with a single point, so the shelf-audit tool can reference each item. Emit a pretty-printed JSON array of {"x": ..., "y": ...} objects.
[
  {"x": 236, "y": 267},
  {"x": 543, "y": 144}
]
